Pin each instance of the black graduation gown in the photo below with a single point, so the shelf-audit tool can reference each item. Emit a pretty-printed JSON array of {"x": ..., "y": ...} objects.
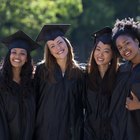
[
  {"x": 18, "y": 110},
  {"x": 97, "y": 123},
  {"x": 59, "y": 106},
  {"x": 125, "y": 124},
  {"x": 4, "y": 133}
]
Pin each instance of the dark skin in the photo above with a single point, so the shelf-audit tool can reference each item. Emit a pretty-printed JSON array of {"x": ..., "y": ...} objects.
[
  {"x": 132, "y": 103},
  {"x": 129, "y": 49}
]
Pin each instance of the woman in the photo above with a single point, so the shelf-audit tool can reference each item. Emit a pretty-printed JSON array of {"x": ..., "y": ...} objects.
[
  {"x": 59, "y": 86},
  {"x": 16, "y": 91},
  {"x": 101, "y": 75},
  {"x": 125, "y": 123}
]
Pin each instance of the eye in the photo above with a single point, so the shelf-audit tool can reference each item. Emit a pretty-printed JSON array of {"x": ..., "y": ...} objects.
[
  {"x": 52, "y": 46},
  {"x": 119, "y": 48},
  {"x": 13, "y": 52},
  {"x": 127, "y": 43},
  {"x": 106, "y": 51},
  {"x": 22, "y": 53},
  {"x": 60, "y": 42},
  {"x": 97, "y": 49}
]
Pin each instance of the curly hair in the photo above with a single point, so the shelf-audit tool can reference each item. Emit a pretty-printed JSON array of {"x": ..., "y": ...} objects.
[
  {"x": 25, "y": 75},
  {"x": 127, "y": 27}
]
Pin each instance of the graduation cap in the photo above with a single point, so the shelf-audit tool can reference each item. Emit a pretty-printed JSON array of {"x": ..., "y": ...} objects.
[
  {"x": 51, "y": 31},
  {"x": 20, "y": 40},
  {"x": 104, "y": 35}
]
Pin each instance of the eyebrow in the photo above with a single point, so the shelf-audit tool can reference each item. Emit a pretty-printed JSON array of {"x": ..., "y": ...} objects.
[
  {"x": 58, "y": 40},
  {"x": 23, "y": 51},
  {"x": 108, "y": 48},
  {"x": 125, "y": 41},
  {"x": 98, "y": 46}
]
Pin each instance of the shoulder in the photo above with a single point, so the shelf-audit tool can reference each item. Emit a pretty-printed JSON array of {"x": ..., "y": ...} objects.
[
  {"x": 39, "y": 67},
  {"x": 125, "y": 67},
  {"x": 78, "y": 72}
]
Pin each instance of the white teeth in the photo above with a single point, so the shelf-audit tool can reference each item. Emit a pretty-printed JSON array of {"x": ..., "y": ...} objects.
[
  {"x": 60, "y": 52},
  {"x": 16, "y": 60},
  {"x": 100, "y": 59},
  {"x": 127, "y": 53}
]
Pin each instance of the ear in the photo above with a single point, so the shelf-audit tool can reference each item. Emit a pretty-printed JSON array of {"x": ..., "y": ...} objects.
[{"x": 137, "y": 41}]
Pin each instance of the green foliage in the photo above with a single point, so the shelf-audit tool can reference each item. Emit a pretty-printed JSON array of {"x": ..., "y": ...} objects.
[
  {"x": 30, "y": 16},
  {"x": 85, "y": 17}
]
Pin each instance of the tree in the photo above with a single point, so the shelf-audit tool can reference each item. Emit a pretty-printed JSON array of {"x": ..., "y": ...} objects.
[{"x": 30, "y": 16}]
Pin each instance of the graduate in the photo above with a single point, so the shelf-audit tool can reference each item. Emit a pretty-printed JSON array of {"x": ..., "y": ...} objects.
[
  {"x": 101, "y": 76},
  {"x": 125, "y": 121},
  {"x": 59, "y": 85},
  {"x": 17, "y": 101}
]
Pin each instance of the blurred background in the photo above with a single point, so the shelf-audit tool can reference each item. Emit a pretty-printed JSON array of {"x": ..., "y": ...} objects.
[{"x": 85, "y": 17}]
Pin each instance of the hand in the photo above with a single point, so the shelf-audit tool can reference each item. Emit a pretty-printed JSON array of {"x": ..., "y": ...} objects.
[{"x": 132, "y": 104}]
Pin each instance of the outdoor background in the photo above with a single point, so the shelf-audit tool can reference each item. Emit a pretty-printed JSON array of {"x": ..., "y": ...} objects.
[{"x": 85, "y": 17}]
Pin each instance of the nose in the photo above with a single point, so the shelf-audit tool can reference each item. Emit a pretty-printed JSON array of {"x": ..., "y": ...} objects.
[
  {"x": 124, "y": 48},
  {"x": 100, "y": 54},
  {"x": 58, "y": 46},
  {"x": 17, "y": 55}
]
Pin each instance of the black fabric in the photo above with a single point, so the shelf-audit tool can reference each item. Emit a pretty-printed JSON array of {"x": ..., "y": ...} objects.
[
  {"x": 18, "y": 112},
  {"x": 97, "y": 123},
  {"x": 103, "y": 35},
  {"x": 59, "y": 106},
  {"x": 4, "y": 132},
  {"x": 51, "y": 31},
  {"x": 125, "y": 124},
  {"x": 20, "y": 40}
]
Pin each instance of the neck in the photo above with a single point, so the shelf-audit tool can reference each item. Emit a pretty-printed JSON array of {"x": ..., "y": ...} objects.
[
  {"x": 62, "y": 64},
  {"x": 16, "y": 75},
  {"x": 103, "y": 69}
]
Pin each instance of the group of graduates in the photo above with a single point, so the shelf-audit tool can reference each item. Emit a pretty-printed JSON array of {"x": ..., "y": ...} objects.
[{"x": 59, "y": 100}]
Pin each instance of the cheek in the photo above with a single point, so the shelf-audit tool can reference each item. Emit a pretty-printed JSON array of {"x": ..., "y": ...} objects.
[
  {"x": 51, "y": 50},
  {"x": 11, "y": 56},
  {"x": 109, "y": 57},
  {"x": 24, "y": 58},
  {"x": 95, "y": 53},
  {"x": 67, "y": 50}
]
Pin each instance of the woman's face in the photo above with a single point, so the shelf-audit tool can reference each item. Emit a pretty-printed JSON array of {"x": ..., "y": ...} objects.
[
  {"x": 58, "y": 48},
  {"x": 128, "y": 47},
  {"x": 102, "y": 54},
  {"x": 18, "y": 57}
]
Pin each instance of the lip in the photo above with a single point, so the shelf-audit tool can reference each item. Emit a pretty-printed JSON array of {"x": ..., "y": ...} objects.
[
  {"x": 60, "y": 52},
  {"x": 127, "y": 53},
  {"x": 16, "y": 60},
  {"x": 100, "y": 59}
]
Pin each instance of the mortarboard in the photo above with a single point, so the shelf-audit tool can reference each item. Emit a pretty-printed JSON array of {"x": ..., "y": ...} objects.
[
  {"x": 104, "y": 35},
  {"x": 20, "y": 40},
  {"x": 51, "y": 31}
]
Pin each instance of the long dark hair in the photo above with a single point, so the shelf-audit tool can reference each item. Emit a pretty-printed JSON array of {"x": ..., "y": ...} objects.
[
  {"x": 50, "y": 62},
  {"x": 94, "y": 79},
  {"x": 25, "y": 75}
]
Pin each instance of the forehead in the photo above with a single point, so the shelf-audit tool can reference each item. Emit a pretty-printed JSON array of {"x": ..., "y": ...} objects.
[
  {"x": 102, "y": 45},
  {"x": 59, "y": 38},
  {"x": 123, "y": 38},
  {"x": 18, "y": 49}
]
